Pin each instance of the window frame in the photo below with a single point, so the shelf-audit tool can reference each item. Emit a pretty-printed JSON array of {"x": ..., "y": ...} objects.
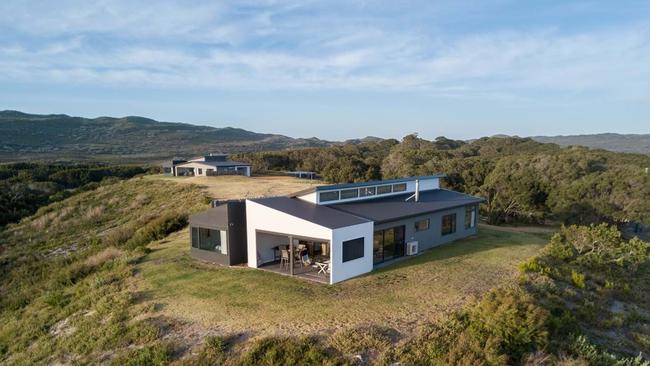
[
  {"x": 428, "y": 225},
  {"x": 471, "y": 212},
  {"x": 452, "y": 227},
  {"x": 352, "y": 253},
  {"x": 355, "y": 190},
  {"x": 320, "y": 196},
  {"x": 400, "y": 185},
  {"x": 389, "y": 186},
  {"x": 367, "y": 191}
]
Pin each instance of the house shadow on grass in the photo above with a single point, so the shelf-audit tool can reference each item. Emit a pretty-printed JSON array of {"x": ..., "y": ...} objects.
[{"x": 485, "y": 240}]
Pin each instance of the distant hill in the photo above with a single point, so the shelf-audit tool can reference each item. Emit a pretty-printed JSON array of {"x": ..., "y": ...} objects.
[
  {"x": 639, "y": 144},
  {"x": 58, "y": 136}
]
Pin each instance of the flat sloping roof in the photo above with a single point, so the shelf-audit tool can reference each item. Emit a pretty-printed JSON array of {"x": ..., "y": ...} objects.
[
  {"x": 320, "y": 215},
  {"x": 395, "y": 207},
  {"x": 214, "y": 218}
]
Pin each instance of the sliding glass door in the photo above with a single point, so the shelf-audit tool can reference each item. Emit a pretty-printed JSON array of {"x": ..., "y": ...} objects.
[{"x": 388, "y": 244}]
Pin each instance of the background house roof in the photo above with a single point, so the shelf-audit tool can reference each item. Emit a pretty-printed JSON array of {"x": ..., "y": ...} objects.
[
  {"x": 216, "y": 163},
  {"x": 320, "y": 215}
]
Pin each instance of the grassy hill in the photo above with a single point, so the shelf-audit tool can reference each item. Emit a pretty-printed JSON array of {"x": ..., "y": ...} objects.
[
  {"x": 105, "y": 277},
  {"x": 95, "y": 279},
  {"x": 630, "y": 143},
  {"x": 58, "y": 136}
]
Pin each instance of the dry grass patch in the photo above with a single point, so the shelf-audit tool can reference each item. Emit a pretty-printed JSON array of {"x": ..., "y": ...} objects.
[
  {"x": 401, "y": 296},
  {"x": 235, "y": 187},
  {"x": 102, "y": 257}
]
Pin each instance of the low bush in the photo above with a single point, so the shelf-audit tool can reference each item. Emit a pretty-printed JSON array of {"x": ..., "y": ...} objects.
[
  {"x": 578, "y": 279},
  {"x": 288, "y": 352},
  {"x": 157, "y": 229},
  {"x": 102, "y": 257}
]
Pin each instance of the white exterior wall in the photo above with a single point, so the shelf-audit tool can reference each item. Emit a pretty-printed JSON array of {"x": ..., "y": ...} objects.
[
  {"x": 342, "y": 271},
  {"x": 196, "y": 166},
  {"x": 260, "y": 217},
  {"x": 310, "y": 197}
]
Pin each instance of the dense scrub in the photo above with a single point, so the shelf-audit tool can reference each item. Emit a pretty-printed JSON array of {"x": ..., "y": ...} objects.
[
  {"x": 24, "y": 187},
  {"x": 67, "y": 272},
  {"x": 523, "y": 180}
]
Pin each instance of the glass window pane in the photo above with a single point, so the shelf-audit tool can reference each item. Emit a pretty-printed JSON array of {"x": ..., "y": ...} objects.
[
  {"x": 329, "y": 196},
  {"x": 400, "y": 187},
  {"x": 422, "y": 225},
  {"x": 349, "y": 193},
  {"x": 367, "y": 191},
  {"x": 448, "y": 224},
  {"x": 384, "y": 189},
  {"x": 378, "y": 247}
]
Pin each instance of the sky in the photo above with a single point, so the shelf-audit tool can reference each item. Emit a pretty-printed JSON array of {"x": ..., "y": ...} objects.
[{"x": 335, "y": 69}]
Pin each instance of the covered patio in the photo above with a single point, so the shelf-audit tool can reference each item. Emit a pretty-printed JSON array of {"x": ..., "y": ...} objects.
[{"x": 294, "y": 255}]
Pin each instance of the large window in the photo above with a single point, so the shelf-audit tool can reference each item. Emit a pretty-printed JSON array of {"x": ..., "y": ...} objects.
[
  {"x": 352, "y": 249},
  {"x": 349, "y": 193},
  {"x": 329, "y": 196},
  {"x": 388, "y": 244},
  {"x": 470, "y": 217},
  {"x": 210, "y": 239},
  {"x": 448, "y": 224},
  {"x": 422, "y": 225}
]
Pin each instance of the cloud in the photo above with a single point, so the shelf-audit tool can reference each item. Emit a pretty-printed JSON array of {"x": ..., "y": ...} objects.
[{"x": 298, "y": 45}]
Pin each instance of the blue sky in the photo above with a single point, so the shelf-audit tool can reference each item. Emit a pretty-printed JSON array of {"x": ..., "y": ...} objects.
[{"x": 336, "y": 69}]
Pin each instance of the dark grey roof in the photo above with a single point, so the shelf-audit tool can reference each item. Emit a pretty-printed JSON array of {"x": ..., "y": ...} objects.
[
  {"x": 321, "y": 215},
  {"x": 214, "y": 218},
  {"x": 395, "y": 207},
  {"x": 364, "y": 184},
  {"x": 220, "y": 163}
]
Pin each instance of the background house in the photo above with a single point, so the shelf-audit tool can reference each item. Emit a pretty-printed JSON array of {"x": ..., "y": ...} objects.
[{"x": 208, "y": 165}]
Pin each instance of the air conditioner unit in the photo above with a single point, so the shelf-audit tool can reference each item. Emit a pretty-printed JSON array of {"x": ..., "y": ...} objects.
[{"x": 412, "y": 248}]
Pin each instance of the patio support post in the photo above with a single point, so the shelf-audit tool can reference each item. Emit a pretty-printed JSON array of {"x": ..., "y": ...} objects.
[{"x": 291, "y": 255}]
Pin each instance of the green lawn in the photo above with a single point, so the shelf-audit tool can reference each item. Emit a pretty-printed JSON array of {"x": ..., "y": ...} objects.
[{"x": 402, "y": 295}]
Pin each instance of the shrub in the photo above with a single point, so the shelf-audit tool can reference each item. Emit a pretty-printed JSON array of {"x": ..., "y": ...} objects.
[
  {"x": 289, "y": 352},
  {"x": 366, "y": 341},
  {"x": 578, "y": 279},
  {"x": 102, "y": 257},
  {"x": 510, "y": 321},
  {"x": 157, "y": 229},
  {"x": 213, "y": 352}
]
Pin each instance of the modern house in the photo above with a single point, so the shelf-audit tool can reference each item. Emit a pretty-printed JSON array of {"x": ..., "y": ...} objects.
[
  {"x": 335, "y": 232},
  {"x": 208, "y": 165}
]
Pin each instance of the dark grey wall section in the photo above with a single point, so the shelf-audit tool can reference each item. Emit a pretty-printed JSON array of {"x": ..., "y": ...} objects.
[
  {"x": 231, "y": 217},
  {"x": 208, "y": 256},
  {"x": 238, "y": 247},
  {"x": 432, "y": 237}
]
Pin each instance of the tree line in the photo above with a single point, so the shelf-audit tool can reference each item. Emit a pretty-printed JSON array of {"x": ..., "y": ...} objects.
[
  {"x": 24, "y": 187},
  {"x": 523, "y": 180}
]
